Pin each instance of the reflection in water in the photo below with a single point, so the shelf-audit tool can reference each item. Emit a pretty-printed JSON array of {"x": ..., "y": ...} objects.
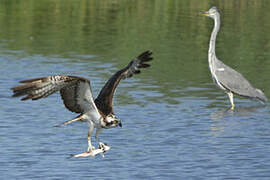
[
  {"x": 238, "y": 111},
  {"x": 217, "y": 127}
]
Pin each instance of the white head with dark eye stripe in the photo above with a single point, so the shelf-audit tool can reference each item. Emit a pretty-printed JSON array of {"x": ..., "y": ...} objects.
[{"x": 112, "y": 121}]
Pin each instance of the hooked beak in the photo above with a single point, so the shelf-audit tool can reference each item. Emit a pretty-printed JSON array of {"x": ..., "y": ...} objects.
[
  {"x": 120, "y": 124},
  {"x": 117, "y": 122}
]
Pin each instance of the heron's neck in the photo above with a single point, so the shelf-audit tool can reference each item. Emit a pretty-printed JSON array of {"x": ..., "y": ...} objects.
[{"x": 212, "y": 44}]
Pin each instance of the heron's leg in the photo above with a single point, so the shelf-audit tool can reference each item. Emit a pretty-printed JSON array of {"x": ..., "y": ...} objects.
[
  {"x": 90, "y": 131},
  {"x": 230, "y": 94}
]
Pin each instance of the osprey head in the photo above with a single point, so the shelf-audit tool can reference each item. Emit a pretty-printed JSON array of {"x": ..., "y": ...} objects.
[{"x": 111, "y": 121}]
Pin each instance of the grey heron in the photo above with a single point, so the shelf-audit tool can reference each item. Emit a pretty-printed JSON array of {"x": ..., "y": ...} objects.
[{"x": 226, "y": 78}]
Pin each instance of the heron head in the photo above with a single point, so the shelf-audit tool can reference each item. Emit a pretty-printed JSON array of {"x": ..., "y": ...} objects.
[
  {"x": 212, "y": 12},
  {"x": 112, "y": 121}
]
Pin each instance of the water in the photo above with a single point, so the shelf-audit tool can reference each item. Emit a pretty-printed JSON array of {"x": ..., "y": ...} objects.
[{"x": 176, "y": 123}]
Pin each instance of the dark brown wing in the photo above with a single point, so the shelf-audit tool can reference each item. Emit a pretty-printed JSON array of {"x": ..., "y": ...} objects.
[
  {"x": 105, "y": 97},
  {"x": 75, "y": 91}
]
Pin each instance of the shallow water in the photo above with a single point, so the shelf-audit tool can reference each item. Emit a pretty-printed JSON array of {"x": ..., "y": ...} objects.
[{"x": 176, "y": 123}]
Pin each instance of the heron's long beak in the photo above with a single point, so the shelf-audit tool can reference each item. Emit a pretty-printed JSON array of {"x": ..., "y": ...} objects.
[{"x": 205, "y": 13}]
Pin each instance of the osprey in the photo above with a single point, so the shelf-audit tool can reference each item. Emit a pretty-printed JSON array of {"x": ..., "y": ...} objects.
[{"x": 77, "y": 96}]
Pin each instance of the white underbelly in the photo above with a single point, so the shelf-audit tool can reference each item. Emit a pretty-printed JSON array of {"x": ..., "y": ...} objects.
[{"x": 96, "y": 119}]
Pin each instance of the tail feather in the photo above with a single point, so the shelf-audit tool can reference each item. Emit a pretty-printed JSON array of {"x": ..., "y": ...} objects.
[{"x": 260, "y": 95}]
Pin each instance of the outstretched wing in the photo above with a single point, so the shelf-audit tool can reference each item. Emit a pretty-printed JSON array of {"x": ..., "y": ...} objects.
[
  {"x": 105, "y": 97},
  {"x": 75, "y": 91}
]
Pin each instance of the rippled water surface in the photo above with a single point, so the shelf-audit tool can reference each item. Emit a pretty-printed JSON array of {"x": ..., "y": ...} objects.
[{"x": 176, "y": 123}]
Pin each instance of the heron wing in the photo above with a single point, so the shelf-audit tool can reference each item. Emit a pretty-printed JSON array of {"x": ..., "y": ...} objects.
[
  {"x": 235, "y": 81},
  {"x": 105, "y": 97},
  {"x": 75, "y": 91}
]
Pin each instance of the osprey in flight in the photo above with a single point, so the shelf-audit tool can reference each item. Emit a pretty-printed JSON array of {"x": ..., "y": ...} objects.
[{"x": 77, "y": 95}]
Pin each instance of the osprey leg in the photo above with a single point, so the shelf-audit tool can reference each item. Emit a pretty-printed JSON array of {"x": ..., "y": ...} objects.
[
  {"x": 90, "y": 131},
  {"x": 98, "y": 131},
  {"x": 230, "y": 94}
]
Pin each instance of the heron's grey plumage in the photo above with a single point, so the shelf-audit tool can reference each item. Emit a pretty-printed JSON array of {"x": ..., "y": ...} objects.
[
  {"x": 235, "y": 82},
  {"x": 224, "y": 76}
]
